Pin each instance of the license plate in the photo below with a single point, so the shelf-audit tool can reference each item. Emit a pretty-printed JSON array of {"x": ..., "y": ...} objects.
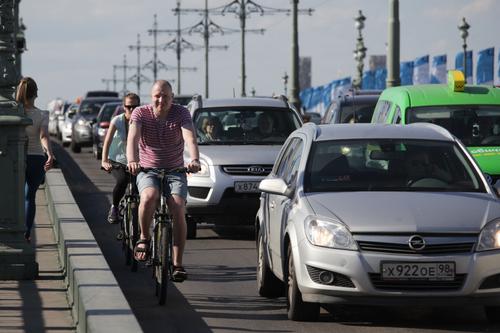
[
  {"x": 418, "y": 270},
  {"x": 246, "y": 187}
]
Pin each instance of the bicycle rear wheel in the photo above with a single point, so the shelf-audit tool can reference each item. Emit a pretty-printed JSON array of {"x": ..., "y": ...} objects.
[
  {"x": 125, "y": 227},
  {"x": 162, "y": 267}
]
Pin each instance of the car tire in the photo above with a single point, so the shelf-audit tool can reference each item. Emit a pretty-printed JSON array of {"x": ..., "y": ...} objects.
[
  {"x": 298, "y": 310},
  {"x": 191, "y": 228},
  {"x": 75, "y": 147},
  {"x": 492, "y": 314},
  {"x": 268, "y": 285}
]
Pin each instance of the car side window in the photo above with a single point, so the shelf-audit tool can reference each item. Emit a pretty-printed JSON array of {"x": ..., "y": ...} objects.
[
  {"x": 285, "y": 158},
  {"x": 381, "y": 111},
  {"x": 397, "y": 116},
  {"x": 293, "y": 165}
]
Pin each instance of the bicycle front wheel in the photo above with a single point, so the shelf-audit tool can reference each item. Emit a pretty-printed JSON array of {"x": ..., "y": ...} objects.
[
  {"x": 162, "y": 267},
  {"x": 133, "y": 232}
]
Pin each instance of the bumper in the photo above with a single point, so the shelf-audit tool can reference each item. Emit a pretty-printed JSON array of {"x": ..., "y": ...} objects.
[
  {"x": 212, "y": 199},
  {"x": 82, "y": 135},
  {"x": 363, "y": 270}
]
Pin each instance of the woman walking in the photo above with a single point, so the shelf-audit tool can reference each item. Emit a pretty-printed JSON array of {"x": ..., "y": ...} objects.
[{"x": 39, "y": 157}]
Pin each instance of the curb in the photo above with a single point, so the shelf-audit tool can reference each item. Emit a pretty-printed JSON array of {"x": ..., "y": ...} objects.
[{"x": 97, "y": 302}]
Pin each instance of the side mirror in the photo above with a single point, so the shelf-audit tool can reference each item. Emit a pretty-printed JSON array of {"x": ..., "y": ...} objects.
[{"x": 275, "y": 186}]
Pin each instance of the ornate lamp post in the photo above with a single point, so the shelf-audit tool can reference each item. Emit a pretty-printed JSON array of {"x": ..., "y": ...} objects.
[
  {"x": 360, "y": 51},
  {"x": 285, "y": 82},
  {"x": 17, "y": 258},
  {"x": 20, "y": 45},
  {"x": 464, "y": 33}
]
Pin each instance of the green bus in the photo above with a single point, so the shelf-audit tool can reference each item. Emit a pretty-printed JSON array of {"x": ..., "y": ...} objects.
[{"x": 470, "y": 112}]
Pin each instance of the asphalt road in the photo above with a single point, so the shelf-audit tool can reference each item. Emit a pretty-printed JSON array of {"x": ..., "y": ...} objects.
[{"x": 220, "y": 295}]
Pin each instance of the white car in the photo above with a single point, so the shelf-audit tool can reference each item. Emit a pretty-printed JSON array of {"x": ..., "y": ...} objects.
[
  {"x": 378, "y": 215},
  {"x": 66, "y": 125},
  {"x": 235, "y": 157}
]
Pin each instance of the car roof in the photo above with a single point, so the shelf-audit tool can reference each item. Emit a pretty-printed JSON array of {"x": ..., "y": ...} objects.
[
  {"x": 245, "y": 102},
  {"x": 441, "y": 94},
  {"x": 360, "y": 99},
  {"x": 109, "y": 99},
  {"x": 417, "y": 131}
]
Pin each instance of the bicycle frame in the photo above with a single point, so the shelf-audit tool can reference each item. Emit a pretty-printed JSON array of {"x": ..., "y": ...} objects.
[{"x": 162, "y": 240}]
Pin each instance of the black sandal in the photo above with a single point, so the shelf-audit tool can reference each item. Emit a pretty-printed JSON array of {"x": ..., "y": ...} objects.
[
  {"x": 146, "y": 249},
  {"x": 179, "y": 274}
]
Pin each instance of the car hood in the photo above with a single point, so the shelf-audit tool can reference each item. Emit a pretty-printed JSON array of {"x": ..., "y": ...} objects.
[
  {"x": 407, "y": 211},
  {"x": 239, "y": 154}
]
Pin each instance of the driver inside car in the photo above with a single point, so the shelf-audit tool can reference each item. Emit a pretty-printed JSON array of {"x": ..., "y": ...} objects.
[{"x": 419, "y": 166}]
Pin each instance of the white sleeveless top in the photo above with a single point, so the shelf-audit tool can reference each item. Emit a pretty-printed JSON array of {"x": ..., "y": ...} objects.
[{"x": 40, "y": 119}]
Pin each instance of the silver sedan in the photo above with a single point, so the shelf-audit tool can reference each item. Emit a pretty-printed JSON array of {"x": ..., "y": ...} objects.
[{"x": 378, "y": 215}]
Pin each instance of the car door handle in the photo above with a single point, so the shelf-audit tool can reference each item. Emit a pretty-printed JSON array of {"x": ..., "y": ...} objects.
[{"x": 271, "y": 204}]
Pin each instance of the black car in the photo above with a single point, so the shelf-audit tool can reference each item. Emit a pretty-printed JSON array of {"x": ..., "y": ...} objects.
[
  {"x": 352, "y": 106},
  {"x": 100, "y": 127},
  {"x": 85, "y": 116}
]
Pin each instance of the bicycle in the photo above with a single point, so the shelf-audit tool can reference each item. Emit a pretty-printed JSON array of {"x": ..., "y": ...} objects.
[
  {"x": 129, "y": 221},
  {"x": 161, "y": 245}
]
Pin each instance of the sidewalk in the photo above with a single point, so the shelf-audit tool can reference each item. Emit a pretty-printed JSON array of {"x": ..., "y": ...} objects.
[{"x": 40, "y": 305}]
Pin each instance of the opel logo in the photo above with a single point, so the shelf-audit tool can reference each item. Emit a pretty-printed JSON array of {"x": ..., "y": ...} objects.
[
  {"x": 256, "y": 170},
  {"x": 416, "y": 243}
]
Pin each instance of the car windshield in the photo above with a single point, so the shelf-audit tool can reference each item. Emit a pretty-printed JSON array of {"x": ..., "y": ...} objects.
[
  {"x": 389, "y": 165},
  {"x": 246, "y": 125},
  {"x": 89, "y": 108},
  {"x": 357, "y": 113},
  {"x": 473, "y": 125},
  {"x": 107, "y": 112}
]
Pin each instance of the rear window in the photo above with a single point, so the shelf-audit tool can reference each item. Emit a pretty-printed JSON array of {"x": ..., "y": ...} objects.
[{"x": 357, "y": 114}]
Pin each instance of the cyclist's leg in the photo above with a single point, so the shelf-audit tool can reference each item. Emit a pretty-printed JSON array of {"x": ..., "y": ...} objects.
[
  {"x": 121, "y": 178},
  {"x": 148, "y": 186},
  {"x": 176, "y": 206},
  {"x": 177, "y": 194}
]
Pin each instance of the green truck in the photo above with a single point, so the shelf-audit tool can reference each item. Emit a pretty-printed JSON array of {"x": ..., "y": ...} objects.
[{"x": 470, "y": 112}]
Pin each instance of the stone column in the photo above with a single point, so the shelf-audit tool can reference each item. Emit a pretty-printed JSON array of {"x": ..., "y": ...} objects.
[{"x": 17, "y": 257}]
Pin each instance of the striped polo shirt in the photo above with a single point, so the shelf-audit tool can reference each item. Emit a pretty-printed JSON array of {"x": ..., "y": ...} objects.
[{"x": 161, "y": 144}]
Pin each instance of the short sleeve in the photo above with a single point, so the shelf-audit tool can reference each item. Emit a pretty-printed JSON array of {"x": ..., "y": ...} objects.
[
  {"x": 114, "y": 120},
  {"x": 44, "y": 118},
  {"x": 136, "y": 116},
  {"x": 186, "y": 121}
]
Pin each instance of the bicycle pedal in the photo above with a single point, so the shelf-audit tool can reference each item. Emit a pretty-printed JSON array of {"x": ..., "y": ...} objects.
[{"x": 119, "y": 236}]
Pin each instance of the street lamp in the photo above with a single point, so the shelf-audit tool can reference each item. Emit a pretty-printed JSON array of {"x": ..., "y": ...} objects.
[
  {"x": 464, "y": 33},
  {"x": 360, "y": 51},
  {"x": 253, "y": 92},
  {"x": 285, "y": 82}
]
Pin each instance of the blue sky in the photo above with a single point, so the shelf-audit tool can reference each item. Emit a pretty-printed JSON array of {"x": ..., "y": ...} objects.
[{"x": 72, "y": 44}]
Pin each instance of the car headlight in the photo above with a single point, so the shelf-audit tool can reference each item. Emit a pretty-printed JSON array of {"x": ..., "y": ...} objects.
[
  {"x": 204, "y": 170},
  {"x": 329, "y": 233},
  {"x": 81, "y": 122},
  {"x": 101, "y": 131},
  {"x": 489, "y": 238}
]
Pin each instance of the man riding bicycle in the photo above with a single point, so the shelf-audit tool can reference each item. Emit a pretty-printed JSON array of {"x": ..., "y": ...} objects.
[{"x": 157, "y": 133}]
